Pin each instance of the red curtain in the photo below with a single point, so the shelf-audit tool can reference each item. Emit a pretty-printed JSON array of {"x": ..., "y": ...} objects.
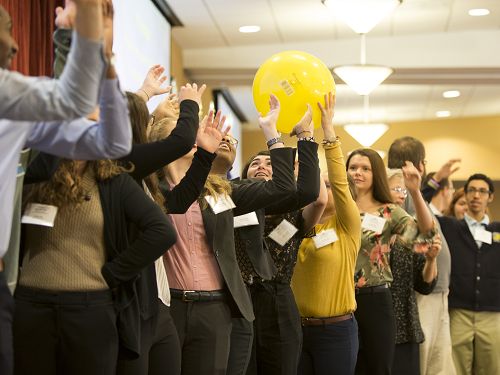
[{"x": 33, "y": 25}]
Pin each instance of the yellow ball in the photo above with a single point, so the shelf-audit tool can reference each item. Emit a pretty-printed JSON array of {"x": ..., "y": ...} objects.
[{"x": 296, "y": 78}]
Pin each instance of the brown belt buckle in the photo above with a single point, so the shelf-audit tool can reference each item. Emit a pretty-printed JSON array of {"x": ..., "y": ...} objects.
[{"x": 184, "y": 295}]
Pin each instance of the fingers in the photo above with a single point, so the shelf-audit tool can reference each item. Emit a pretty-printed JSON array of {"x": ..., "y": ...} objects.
[
  {"x": 215, "y": 123},
  {"x": 170, "y": 98},
  {"x": 202, "y": 89},
  {"x": 226, "y": 132},
  {"x": 210, "y": 118},
  {"x": 221, "y": 124}
]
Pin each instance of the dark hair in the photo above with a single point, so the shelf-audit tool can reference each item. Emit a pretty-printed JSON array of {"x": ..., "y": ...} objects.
[
  {"x": 139, "y": 119},
  {"x": 405, "y": 149},
  {"x": 244, "y": 171},
  {"x": 352, "y": 187},
  {"x": 381, "y": 191},
  {"x": 442, "y": 184},
  {"x": 479, "y": 176}
]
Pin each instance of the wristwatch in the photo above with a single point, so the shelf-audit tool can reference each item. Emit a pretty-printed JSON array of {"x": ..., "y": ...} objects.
[{"x": 274, "y": 140}]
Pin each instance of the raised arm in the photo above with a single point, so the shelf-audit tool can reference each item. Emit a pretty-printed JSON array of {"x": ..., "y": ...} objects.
[{"x": 76, "y": 93}]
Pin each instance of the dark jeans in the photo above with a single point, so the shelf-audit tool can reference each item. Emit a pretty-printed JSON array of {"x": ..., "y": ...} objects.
[
  {"x": 204, "y": 330},
  {"x": 6, "y": 316},
  {"x": 330, "y": 349},
  {"x": 241, "y": 345},
  {"x": 406, "y": 359},
  {"x": 160, "y": 347},
  {"x": 377, "y": 330},
  {"x": 64, "y": 333},
  {"x": 277, "y": 330}
]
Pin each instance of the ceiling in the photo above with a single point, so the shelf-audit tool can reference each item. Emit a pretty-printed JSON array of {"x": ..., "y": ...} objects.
[{"x": 432, "y": 45}]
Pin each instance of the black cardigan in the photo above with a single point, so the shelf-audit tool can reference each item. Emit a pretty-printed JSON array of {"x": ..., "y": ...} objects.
[{"x": 307, "y": 191}]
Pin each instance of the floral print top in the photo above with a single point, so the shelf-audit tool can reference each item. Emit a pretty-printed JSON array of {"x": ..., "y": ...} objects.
[{"x": 373, "y": 266}]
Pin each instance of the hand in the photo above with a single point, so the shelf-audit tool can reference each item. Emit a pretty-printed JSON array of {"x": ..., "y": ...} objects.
[
  {"x": 107, "y": 19},
  {"x": 327, "y": 114},
  {"x": 268, "y": 123},
  {"x": 168, "y": 108},
  {"x": 65, "y": 18},
  {"x": 192, "y": 93},
  {"x": 446, "y": 170},
  {"x": 305, "y": 125},
  {"x": 153, "y": 81},
  {"x": 210, "y": 136},
  {"x": 434, "y": 249},
  {"x": 412, "y": 177}
]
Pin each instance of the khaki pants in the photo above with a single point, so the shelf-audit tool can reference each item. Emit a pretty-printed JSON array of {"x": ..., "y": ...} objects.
[
  {"x": 475, "y": 336},
  {"x": 435, "y": 351}
]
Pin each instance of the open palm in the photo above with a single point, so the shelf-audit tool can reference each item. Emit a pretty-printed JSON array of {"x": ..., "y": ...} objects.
[{"x": 210, "y": 135}]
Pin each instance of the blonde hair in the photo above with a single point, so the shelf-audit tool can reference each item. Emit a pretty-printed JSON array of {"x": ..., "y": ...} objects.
[{"x": 394, "y": 173}]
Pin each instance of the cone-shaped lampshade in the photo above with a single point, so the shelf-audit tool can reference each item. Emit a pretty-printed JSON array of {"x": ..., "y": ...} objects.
[
  {"x": 363, "y": 78},
  {"x": 362, "y": 15},
  {"x": 366, "y": 134}
]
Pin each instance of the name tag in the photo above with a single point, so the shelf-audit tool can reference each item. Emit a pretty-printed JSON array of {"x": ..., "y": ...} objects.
[
  {"x": 283, "y": 232},
  {"x": 483, "y": 236},
  {"x": 246, "y": 220},
  {"x": 224, "y": 203},
  {"x": 373, "y": 223},
  {"x": 325, "y": 238},
  {"x": 39, "y": 214}
]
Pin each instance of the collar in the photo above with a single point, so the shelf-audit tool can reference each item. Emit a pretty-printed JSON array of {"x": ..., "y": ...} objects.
[
  {"x": 434, "y": 210},
  {"x": 473, "y": 222}
]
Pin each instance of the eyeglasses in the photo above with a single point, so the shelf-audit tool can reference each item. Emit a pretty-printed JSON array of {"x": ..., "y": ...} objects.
[
  {"x": 152, "y": 119},
  {"x": 482, "y": 192},
  {"x": 424, "y": 162},
  {"x": 453, "y": 190},
  {"x": 400, "y": 191},
  {"x": 231, "y": 140}
]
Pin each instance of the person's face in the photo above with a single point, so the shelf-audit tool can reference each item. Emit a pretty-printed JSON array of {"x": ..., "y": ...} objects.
[
  {"x": 226, "y": 151},
  {"x": 360, "y": 169},
  {"x": 398, "y": 195},
  {"x": 478, "y": 196},
  {"x": 261, "y": 167},
  {"x": 8, "y": 46},
  {"x": 461, "y": 208}
]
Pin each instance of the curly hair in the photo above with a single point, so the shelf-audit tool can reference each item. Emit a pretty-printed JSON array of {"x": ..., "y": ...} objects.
[{"x": 65, "y": 190}]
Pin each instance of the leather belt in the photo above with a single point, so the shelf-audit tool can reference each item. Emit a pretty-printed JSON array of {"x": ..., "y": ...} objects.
[
  {"x": 371, "y": 289},
  {"x": 198, "y": 296},
  {"x": 324, "y": 321}
]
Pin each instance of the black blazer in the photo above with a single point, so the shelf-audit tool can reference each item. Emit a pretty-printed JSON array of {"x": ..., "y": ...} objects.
[
  {"x": 475, "y": 273},
  {"x": 249, "y": 196},
  {"x": 307, "y": 191}
]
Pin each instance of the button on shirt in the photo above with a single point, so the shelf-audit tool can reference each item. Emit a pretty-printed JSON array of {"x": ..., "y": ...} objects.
[
  {"x": 191, "y": 263},
  {"x": 473, "y": 224}
]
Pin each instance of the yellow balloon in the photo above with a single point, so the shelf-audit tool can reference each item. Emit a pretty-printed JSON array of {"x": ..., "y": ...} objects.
[{"x": 296, "y": 78}]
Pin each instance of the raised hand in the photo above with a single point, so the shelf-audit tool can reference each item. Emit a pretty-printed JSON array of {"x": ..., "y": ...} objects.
[
  {"x": 168, "y": 108},
  {"x": 107, "y": 18},
  {"x": 210, "y": 136},
  {"x": 435, "y": 248},
  {"x": 327, "y": 114},
  {"x": 305, "y": 126},
  {"x": 65, "y": 18},
  {"x": 153, "y": 81},
  {"x": 412, "y": 177},
  {"x": 191, "y": 92},
  {"x": 446, "y": 170}
]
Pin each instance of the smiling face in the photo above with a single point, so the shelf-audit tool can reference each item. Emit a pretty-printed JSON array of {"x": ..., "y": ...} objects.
[
  {"x": 8, "y": 46},
  {"x": 260, "y": 167},
  {"x": 226, "y": 153},
  {"x": 360, "y": 169},
  {"x": 398, "y": 196}
]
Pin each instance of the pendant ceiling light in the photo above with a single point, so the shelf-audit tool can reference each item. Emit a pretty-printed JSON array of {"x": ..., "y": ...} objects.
[
  {"x": 363, "y": 78},
  {"x": 362, "y": 15},
  {"x": 366, "y": 134}
]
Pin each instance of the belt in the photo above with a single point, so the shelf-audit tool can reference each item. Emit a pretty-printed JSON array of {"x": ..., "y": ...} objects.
[
  {"x": 63, "y": 298},
  {"x": 198, "y": 296},
  {"x": 324, "y": 321},
  {"x": 371, "y": 289}
]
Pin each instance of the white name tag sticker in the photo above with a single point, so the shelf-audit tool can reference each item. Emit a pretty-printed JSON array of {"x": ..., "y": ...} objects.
[
  {"x": 246, "y": 220},
  {"x": 283, "y": 232},
  {"x": 39, "y": 214},
  {"x": 373, "y": 223},
  {"x": 483, "y": 236},
  {"x": 325, "y": 238},
  {"x": 224, "y": 203}
]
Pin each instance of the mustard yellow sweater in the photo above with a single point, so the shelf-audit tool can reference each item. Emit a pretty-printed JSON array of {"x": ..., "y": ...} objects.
[{"x": 323, "y": 280}]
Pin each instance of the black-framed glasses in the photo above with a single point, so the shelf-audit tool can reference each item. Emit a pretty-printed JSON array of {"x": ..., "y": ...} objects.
[
  {"x": 482, "y": 192},
  {"x": 401, "y": 191},
  {"x": 233, "y": 141}
]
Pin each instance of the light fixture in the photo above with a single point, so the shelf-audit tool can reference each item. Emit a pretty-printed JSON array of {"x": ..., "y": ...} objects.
[
  {"x": 443, "y": 114},
  {"x": 451, "y": 94},
  {"x": 479, "y": 12},
  {"x": 363, "y": 78},
  {"x": 249, "y": 29},
  {"x": 366, "y": 134},
  {"x": 362, "y": 15}
]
